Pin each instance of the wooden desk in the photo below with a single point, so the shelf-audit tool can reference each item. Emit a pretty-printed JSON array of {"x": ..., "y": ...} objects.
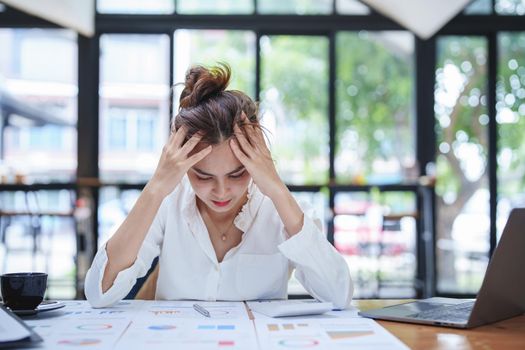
[{"x": 504, "y": 335}]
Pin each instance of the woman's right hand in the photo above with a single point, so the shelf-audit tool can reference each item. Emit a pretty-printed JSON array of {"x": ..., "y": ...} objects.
[{"x": 174, "y": 161}]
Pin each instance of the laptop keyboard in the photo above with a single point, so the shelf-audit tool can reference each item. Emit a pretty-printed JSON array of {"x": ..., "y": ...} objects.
[{"x": 453, "y": 313}]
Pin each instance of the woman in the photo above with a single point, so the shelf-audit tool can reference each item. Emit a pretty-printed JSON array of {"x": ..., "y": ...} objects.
[{"x": 223, "y": 224}]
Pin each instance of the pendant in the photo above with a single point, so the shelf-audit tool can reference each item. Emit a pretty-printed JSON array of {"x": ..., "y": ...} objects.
[{"x": 223, "y": 237}]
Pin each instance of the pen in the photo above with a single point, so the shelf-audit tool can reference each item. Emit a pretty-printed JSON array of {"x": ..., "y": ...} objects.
[{"x": 201, "y": 310}]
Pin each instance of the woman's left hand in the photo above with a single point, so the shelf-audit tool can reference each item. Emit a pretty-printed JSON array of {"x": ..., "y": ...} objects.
[{"x": 251, "y": 150}]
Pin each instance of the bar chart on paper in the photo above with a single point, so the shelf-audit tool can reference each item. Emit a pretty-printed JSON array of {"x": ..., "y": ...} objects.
[{"x": 324, "y": 334}]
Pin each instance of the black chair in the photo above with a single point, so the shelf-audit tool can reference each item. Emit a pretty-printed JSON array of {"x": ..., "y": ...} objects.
[{"x": 140, "y": 281}]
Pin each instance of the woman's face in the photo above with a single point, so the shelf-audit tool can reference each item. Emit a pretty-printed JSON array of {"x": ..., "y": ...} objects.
[{"x": 219, "y": 180}]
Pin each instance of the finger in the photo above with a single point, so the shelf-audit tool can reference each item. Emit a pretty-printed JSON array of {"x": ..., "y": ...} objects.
[
  {"x": 197, "y": 157},
  {"x": 253, "y": 131},
  {"x": 256, "y": 137},
  {"x": 178, "y": 137},
  {"x": 258, "y": 134},
  {"x": 238, "y": 152},
  {"x": 249, "y": 118},
  {"x": 252, "y": 120},
  {"x": 191, "y": 143},
  {"x": 244, "y": 143}
]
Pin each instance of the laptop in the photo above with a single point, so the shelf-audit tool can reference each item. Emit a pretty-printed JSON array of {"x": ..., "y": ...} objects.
[{"x": 501, "y": 296}]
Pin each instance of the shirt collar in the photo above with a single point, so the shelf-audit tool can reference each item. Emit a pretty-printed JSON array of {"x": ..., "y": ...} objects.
[{"x": 243, "y": 220}]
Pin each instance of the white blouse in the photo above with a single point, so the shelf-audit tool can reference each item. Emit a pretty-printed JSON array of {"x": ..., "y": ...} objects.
[{"x": 257, "y": 268}]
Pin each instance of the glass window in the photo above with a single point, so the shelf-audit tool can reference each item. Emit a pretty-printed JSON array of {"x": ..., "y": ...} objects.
[
  {"x": 296, "y": 7},
  {"x": 479, "y": 7},
  {"x": 136, "y": 6},
  {"x": 114, "y": 206},
  {"x": 230, "y": 7},
  {"x": 294, "y": 105},
  {"x": 42, "y": 241},
  {"x": 134, "y": 109},
  {"x": 376, "y": 232},
  {"x": 146, "y": 126},
  {"x": 352, "y": 7},
  {"x": 510, "y": 7},
  {"x": 209, "y": 47},
  {"x": 117, "y": 133},
  {"x": 510, "y": 117},
  {"x": 375, "y": 140},
  {"x": 38, "y": 105},
  {"x": 462, "y": 223},
  {"x": 131, "y": 129},
  {"x": 38, "y": 111},
  {"x": 318, "y": 201}
]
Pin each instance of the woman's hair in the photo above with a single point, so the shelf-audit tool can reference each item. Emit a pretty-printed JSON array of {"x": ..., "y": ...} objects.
[{"x": 206, "y": 106}]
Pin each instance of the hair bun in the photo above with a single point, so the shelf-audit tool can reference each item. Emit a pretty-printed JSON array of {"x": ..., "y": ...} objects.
[{"x": 202, "y": 83}]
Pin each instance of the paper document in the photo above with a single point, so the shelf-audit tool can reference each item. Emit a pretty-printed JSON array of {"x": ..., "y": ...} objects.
[
  {"x": 189, "y": 334},
  {"x": 177, "y": 325},
  {"x": 74, "y": 334},
  {"x": 325, "y": 334},
  {"x": 184, "y": 310},
  {"x": 10, "y": 329}
]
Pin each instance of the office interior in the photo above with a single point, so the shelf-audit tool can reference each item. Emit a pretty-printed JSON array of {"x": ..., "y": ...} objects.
[{"x": 408, "y": 143}]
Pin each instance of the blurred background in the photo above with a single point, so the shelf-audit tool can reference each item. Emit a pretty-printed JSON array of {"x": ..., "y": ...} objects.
[{"x": 410, "y": 149}]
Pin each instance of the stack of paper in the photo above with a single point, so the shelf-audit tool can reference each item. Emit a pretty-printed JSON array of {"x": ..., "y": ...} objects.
[{"x": 177, "y": 325}]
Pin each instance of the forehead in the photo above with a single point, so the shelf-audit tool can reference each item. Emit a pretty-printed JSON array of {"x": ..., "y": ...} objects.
[{"x": 220, "y": 161}]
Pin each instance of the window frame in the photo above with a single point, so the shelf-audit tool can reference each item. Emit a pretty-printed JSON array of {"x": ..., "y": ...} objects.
[{"x": 320, "y": 25}]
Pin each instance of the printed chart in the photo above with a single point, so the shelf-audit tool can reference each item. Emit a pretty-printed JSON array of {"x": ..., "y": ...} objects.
[
  {"x": 190, "y": 334},
  {"x": 72, "y": 334},
  {"x": 176, "y": 325},
  {"x": 326, "y": 333},
  {"x": 184, "y": 310}
]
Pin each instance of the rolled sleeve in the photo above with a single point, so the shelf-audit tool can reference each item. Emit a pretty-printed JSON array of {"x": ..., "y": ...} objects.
[
  {"x": 126, "y": 278},
  {"x": 319, "y": 267},
  {"x": 124, "y": 281}
]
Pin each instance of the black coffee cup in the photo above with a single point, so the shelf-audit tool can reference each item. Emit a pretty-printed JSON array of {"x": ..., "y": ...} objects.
[{"x": 23, "y": 290}]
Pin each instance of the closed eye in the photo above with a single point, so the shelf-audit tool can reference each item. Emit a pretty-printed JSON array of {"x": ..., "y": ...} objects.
[
  {"x": 203, "y": 178},
  {"x": 238, "y": 175}
]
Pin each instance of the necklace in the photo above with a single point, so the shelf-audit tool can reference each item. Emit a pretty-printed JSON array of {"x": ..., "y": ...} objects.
[{"x": 224, "y": 234}]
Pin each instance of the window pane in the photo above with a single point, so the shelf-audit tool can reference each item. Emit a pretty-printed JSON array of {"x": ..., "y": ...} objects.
[
  {"x": 297, "y": 7},
  {"x": 510, "y": 7},
  {"x": 462, "y": 185},
  {"x": 352, "y": 7},
  {"x": 294, "y": 75},
  {"x": 136, "y": 6},
  {"x": 209, "y": 47},
  {"x": 134, "y": 110},
  {"x": 114, "y": 206},
  {"x": 319, "y": 202},
  {"x": 38, "y": 104},
  {"x": 510, "y": 107},
  {"x": 215, "y": 6},
  {"x": 375, "y": 123},
  {"x": 376, "y": 234},
  {"x": 479, "y": 7},
  {"x": 44, "y": 241}
]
